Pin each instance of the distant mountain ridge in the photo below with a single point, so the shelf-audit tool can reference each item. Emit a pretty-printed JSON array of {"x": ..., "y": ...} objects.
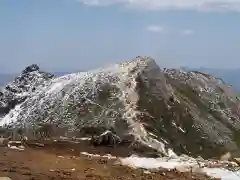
[{"x": 230, "y": 76}]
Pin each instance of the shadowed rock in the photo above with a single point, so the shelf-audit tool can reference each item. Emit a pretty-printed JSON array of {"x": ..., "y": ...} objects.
[{"x": 107, "y": 139}]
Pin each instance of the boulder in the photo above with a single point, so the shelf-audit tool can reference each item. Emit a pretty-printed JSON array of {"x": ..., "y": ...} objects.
[{"x": 107, "y": 139}]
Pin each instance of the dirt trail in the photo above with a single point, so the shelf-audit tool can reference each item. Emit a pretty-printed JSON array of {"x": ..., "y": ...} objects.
[{"x": 64, "y": 161}]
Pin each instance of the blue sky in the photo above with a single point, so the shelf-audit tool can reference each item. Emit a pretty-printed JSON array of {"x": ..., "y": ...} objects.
[{"x": 69, "y": 35}]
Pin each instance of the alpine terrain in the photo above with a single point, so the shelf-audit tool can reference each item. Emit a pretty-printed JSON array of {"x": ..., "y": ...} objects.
[{"x": 165, "y": 112}]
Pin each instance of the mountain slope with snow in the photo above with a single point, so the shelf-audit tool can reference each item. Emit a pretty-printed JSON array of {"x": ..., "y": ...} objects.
[
  {"x": 191, "y": 113},
  {"x": 21, "y": 88}
]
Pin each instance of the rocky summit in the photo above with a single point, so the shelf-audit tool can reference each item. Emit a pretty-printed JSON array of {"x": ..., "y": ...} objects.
[
  {"x": 21, "y": 88},
  {"x": 168, "y": 110}
]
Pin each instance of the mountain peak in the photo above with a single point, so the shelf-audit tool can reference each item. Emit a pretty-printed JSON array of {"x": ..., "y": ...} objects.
[
  {"x": 30, "y": 68},
  {"x": 20, "y": 89},
  {"x": 188, "y": 112}
]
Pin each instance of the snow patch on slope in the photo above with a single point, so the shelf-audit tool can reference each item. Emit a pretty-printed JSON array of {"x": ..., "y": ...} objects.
[
  {"x": 11, "y": 117},
  {"x": 183, "y": 165},
  {"x": 179, "y": 164},
  {"x": 223, "y": 174}
]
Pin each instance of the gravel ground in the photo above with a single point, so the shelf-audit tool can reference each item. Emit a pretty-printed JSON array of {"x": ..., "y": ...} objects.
[{"x": 63, "y": 161}]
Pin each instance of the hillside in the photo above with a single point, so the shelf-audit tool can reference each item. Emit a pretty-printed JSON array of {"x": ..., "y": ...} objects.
[
  {"x": 191, "y": 113},
  {"x": 228, "y": 75}
]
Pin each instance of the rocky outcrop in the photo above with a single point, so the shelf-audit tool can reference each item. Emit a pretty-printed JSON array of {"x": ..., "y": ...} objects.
[
  {"x": 21, "y": 88},
  {"x": 106, "y": 139},
  {"x": 167, "y": 110}
]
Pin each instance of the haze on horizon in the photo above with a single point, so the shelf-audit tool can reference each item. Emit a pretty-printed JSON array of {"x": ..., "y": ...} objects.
[{"x": 70, "y": 35}]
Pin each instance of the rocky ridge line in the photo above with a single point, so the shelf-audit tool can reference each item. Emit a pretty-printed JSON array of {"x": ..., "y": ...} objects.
[
  {"x": 188, "y": 112},
  {"x": 21, "y": 88}
]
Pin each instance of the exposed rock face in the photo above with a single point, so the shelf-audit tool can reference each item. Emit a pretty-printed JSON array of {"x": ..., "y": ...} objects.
[
  {"x": 191, "y": 113},
  {"x": 21, "y": 88}
]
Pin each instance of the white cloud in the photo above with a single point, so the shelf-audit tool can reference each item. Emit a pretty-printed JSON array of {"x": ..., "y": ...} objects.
[
  {"x": 187, "y": 32},
  {"x": 201, "y": 5},
  {"x": 155, "y": 28}
]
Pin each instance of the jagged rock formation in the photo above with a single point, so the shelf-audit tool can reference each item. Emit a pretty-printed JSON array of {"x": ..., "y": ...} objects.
[
  {"x": 191, "y": 113},
  {"x": 21, "y": 88}
]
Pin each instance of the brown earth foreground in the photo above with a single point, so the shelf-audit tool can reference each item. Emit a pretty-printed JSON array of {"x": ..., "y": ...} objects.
[{"x": 63, "y": 161}]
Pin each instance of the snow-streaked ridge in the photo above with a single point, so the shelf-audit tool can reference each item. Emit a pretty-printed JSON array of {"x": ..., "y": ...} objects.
[
  {"x": 162, "y": 109},
  {"x": 51, "y": 101}
]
